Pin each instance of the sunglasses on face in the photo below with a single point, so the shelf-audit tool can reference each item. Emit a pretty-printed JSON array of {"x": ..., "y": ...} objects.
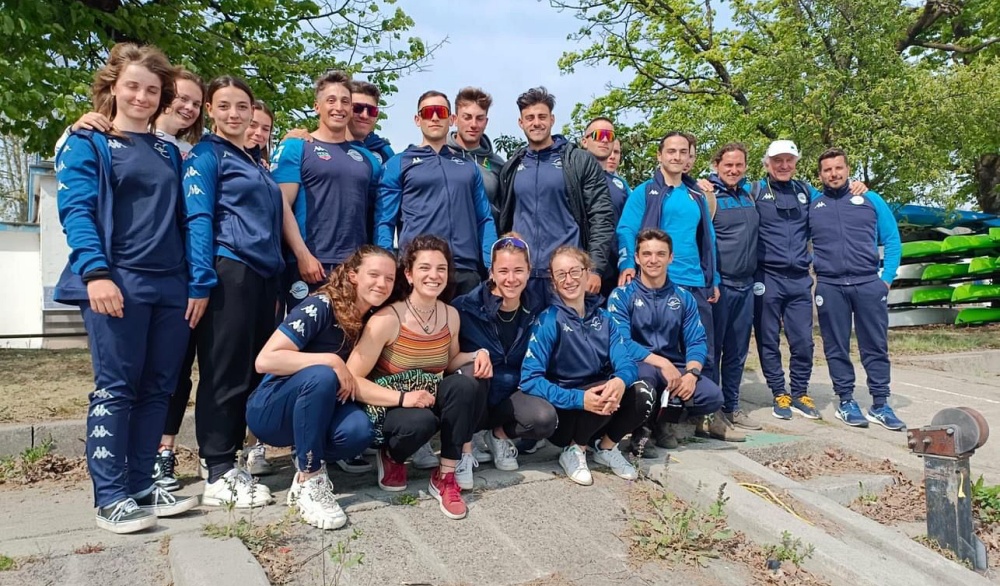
[
  {"x": 428, "y": 112},
  {"x": 510, "y": 242},
  {"x": 361, "y": 108},
  {"x": 603, "y": 135},
  {"x": 574, "y": 274}
]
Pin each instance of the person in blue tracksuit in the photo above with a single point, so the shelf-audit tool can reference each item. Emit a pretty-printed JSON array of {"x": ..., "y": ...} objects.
[
  {"x": 120, "y": 204},
  {"x": 496, "y": 319},
  {"x": 433, "y": 189},
  {"x": 329, "y": 186},
  {"x": 673, "y": 202},
  {"x": 664, "y": 335},
  {"x": 234, "y": 210},
  {"x": 578, "y": 360},
  {"x": 306, "y": 399},
  {"x": 599, "y": 139},
  {"x": 365, "y": 98},
  {"x": 847, "y": 231},
  {"x": 736, "y": 228}
]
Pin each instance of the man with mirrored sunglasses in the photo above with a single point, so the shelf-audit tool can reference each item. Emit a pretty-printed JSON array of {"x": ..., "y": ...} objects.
[{"x": 599, "y": 140}]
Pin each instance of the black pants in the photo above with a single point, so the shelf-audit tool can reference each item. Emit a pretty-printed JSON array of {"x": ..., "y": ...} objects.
[
  {"x": 579, "y": 426},
  {"x": 182, "y": 394},
  {"x": 238, "y": 321},
  {"x": 521, "y": 416},
  {"x": 457, "y": 410}
]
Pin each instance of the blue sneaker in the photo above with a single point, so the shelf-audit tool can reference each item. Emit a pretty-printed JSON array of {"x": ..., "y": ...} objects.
[
  {"x": 885, "y": 417},
  {"x": 782, "y": 408},
  {"x": 805, "y": 407},
  {"x": 850, "y": 413}
]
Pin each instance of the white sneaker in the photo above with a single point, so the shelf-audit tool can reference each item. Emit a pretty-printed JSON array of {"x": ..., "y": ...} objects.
[
  {"x": 238, "y": 488},
  {"x": 574, "y": 463},
  {"x": 463, "y": 471},
  {"x": 480, "y": 449},
  {"x": 316, "y": 502},
  {"x": 425, "y": 459},
  {"x": 615, "y": 460},
  {"x": 504, "y": 452},
  {"x": 257, "y": 462}
]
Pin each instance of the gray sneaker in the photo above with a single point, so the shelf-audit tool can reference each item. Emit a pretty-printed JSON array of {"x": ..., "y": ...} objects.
[
  {"x": 161, "y": 503},
  {"x": 741, "y": 420},
  {"x": 125, "y": 516}
]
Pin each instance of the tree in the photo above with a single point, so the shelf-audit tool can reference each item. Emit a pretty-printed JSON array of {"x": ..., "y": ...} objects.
[
  {"x": 52, "y": 47},
  {"x": 507, "y": 144},
  {"x": 14, "y": 163},
  {"x": 895, "y": 84}
]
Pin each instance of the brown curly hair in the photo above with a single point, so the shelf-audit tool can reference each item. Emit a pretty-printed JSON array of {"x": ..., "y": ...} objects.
[
  {"x": 343, "y": 294},
  {"x": 122, "y": 55},
  {"x": 409, "y": 257}
]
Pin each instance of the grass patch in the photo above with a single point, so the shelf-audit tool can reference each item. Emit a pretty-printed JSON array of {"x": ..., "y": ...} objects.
[
  {"x": 7, "y": 563},
  {"x": 268, "y": 543},
  {"x": 943, "y": 339},
  {"x": 406, "y": 499}
]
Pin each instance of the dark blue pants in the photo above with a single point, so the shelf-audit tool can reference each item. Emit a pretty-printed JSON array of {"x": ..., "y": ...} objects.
[
  {"x": 733, "y": 317},
  {"x": 137, "y": 359},
  {"x": 701, "y": 295},
  {"x": 707, "y": 397},
  {"x": 302, "y": 410},
  {"x": 784, "y": 303},
  {"x": 865, "y": 305}
]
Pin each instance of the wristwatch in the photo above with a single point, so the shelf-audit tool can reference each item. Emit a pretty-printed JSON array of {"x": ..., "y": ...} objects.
[{"x": 695, "y": 371}]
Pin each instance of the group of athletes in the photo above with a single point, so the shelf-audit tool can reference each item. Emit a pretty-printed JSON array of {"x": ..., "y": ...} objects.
[{"x": 189, "y": 244}]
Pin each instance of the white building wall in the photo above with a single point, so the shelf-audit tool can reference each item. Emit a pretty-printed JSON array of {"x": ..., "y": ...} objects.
[{"x": 20, "y": 288}]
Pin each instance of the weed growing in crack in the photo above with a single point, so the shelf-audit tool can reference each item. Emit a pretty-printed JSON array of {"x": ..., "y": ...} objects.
[
  {"x": 790, "y": 549},
  {"x": 681, "y": 532}
]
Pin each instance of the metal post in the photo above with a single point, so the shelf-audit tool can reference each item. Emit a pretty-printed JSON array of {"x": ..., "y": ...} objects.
[{"x": 949, "y": 508}]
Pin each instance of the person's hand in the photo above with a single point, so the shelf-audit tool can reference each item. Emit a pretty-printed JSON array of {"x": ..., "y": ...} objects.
[
  {"x": 685, "y": 387},
  {"x": 419, "y": 399},
  {"x": 714, "y": 296},
  {"x": 593, "y": 401},
  {"x": 106, "y": 298},
  {"x": 93, "y": 121},
  {"x": 858, "y": 188},
  {"x": 482, "y": 367},
  {"x": 671, "y": 375},
  {"x": 311, "y": 269},
  {"x": 888, "y": 286},
  {"x": 301, "y": 133},
  {"x": 348, "y": 386},
  {"x": 593, "y": 283},
  {"x": 195, "y": 311},
  {"x": 706, "y": 186},
  {"x": 612, "y": 395},
  {"x": 626, "y": 277}
]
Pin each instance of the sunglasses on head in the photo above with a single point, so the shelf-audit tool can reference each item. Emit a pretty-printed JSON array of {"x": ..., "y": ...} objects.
[
  {"x": 510, "y": 242},
  {"x": 361, "y": 108},
  {"x": 428, "y": 112},
  {"x": 602, "y": 135}
]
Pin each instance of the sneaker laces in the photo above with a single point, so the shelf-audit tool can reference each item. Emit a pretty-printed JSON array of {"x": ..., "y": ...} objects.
[
  {"x": 125, "y": 507},
  {"x": 616, "y": 458},
  {"x": 783, "y": 401},
  {"x": 256, "y": 452},
  {"x": 167, "y": 463},
  {"x": 807, "y": 401},
  {"x": 321, "y": 490},
  {"x": 162, "y": 497},
  {"x": 448, "y": 488},
  {"x": 581, "y": 456},
  {"x": 507, "y": 449},
  {"x": 466, "y": 463}
]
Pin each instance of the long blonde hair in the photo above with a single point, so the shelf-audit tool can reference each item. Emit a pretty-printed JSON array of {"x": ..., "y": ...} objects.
[{"x": 125, "y": 54}]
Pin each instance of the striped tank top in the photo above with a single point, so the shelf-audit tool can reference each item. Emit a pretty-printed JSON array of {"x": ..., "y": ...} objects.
[{"x": 414, "y": 351}]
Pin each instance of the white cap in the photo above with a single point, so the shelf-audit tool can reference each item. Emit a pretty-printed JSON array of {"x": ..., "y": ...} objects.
[{"x": 782, "y": 147}]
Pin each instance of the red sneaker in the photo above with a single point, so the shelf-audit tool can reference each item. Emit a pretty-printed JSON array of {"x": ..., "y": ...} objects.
[
  {"x": 445, "y": 489},
  {"x": 391, "y": 476}
]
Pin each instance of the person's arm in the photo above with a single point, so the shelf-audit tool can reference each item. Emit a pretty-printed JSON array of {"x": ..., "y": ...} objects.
[
  {"x": 888, "y": 236},
  {"x": 600, "y": 214},
  {"x": 693, "y": 331},
  {"x": 486, "y": 229},
  {"x": 200, "y": 183},
  {"x": 536, "y": 362},
  {"x": 380, "y": 330},
  {"x": 621, "y": 359},
  {"x": 78, "y": 181},
  {"x": 628, "y": 227},
  {"x": 390, "y": 194},
  {"x": 619, "y": 304}
]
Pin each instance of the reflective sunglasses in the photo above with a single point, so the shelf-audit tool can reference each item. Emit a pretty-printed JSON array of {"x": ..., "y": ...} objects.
[
  {"x": 603, "y": 135},
  {"x": 371, "y": 109},
  {"x": 428, "y": 112},
  {"x": 510, "y": 242}
]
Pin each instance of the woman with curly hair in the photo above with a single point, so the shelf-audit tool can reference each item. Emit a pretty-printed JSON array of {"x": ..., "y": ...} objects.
[{"x": 306, "y": 399}]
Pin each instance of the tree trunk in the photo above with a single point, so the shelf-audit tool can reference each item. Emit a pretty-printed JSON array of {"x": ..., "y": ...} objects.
[{"x": 988, "y": 183}]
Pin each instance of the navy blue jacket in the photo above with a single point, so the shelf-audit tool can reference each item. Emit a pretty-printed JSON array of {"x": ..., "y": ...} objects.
[
  {"x": 379, "y": 147},
  {"x": 478, "y": 311},
  {"x": 660, "y": 321},
  {"x": 567, "y": 352},
  {"x": 846, "y": 233},
  {"x": 736, "y": 228},
  {"x": 440, "y": 193},
  {"x": 234, "y": 210},
  {"x": 783, "y": 208}
]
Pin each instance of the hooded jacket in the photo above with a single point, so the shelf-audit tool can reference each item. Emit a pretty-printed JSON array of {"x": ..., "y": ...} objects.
[
  {"x": 662, "y": 321},
  {"x": 379, "y": 147},
  {"x": 736, "y": 226},
  {"x": 478, "y": 310},
  {"x": 587, "y": 198},
  {"x": 567, "y": 352},
  {"x": 427, "y": 192},
  {"x": 489, "y": 164}
]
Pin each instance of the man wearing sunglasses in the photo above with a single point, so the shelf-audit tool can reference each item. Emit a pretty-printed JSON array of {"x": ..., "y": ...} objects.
[
  {"x": 599, "y": 140},
  {"x": 555, "y": 194},
  {"x": 365, "y": 109},
  {"x": 328, "y": 183},
  {"x": 433, "y": 189},
  {"x": 472, "y": 109}
]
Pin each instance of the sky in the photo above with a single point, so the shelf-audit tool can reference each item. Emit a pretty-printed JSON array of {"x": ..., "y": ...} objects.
[{"x": 504, "y": 47}]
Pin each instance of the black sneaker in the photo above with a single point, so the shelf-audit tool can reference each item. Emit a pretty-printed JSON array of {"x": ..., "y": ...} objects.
[
  {"x": 163, "y": 470},
  {"x": 641, "y": 444},
  {"x": 355, "y": 465},
  {"x": 125, "y": 516},
  {"x": 161, "y": 503}
]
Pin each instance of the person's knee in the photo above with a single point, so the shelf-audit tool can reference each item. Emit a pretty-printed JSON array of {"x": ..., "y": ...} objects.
[
  {"x": 708, "y": 397},
  {"x": 645, "y": 398},
  {"x": 356, "y": 429},
  {"x": 421, "y": 424},
  {"x": 319, "y": 380},
  {"x": 542, "y": 421},
  {"x": 463, "y": 390}
]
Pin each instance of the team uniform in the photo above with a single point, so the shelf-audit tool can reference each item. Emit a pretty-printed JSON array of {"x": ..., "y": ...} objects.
[
  {"x": 619, "y": 190},
  {"x": 489, "y": 164},
  {"x": 379, "y": 147}
]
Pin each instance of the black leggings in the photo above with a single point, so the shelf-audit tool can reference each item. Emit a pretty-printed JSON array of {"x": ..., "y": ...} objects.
[
  {"x": 579, "y": 426},
  {"x": 458, "y": 408},
  {"x": 521, "y": 416}
]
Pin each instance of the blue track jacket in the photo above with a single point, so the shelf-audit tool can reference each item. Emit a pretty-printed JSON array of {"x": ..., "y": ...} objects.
[
  {"x": 566, "y": 353},
  {"x": 660, "y": 321},
  {"x": 783, "y": 239},
  {"x": 736, "y": 225}
]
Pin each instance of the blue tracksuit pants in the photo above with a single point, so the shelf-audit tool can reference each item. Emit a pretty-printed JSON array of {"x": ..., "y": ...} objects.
[
  {"x": 784, "y": 303},
  {"x": 707, "y": 397},
  {"x": 137, "y": 359},
  {"x": 865, "y": 305},
  {"x": 701, "y": 295},
  {"x": 732, "y": 315},
  {"x": 302, "y": 410}
]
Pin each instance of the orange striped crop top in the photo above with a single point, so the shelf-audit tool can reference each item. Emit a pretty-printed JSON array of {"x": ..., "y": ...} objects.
[{"x": 414, "y": 350}]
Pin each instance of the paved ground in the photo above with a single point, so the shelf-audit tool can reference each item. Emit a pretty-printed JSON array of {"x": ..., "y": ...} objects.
[{"x": 530, "y": 527}]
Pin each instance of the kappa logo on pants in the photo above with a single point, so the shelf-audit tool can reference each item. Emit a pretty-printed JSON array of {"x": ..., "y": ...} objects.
[
  {"x": 102, "y": 394},
  {"x": 100, "y": 411},
  {"x": 102, "y": 453},
  {"x": 101, "y": 432}
]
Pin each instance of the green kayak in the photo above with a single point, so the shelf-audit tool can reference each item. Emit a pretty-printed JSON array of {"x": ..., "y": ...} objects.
[
  {"x": 932, "y": 295},
  {"x": 995, "y": 234},
  {"x": 968, "y": 292},
  {"x": 982, "y": 265},
  {"x": 978, "y": 315},
  {"x": 945, "y": 271},
  {"x": 919, "y": 248},
  {"x": 953, "y": 244}
]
